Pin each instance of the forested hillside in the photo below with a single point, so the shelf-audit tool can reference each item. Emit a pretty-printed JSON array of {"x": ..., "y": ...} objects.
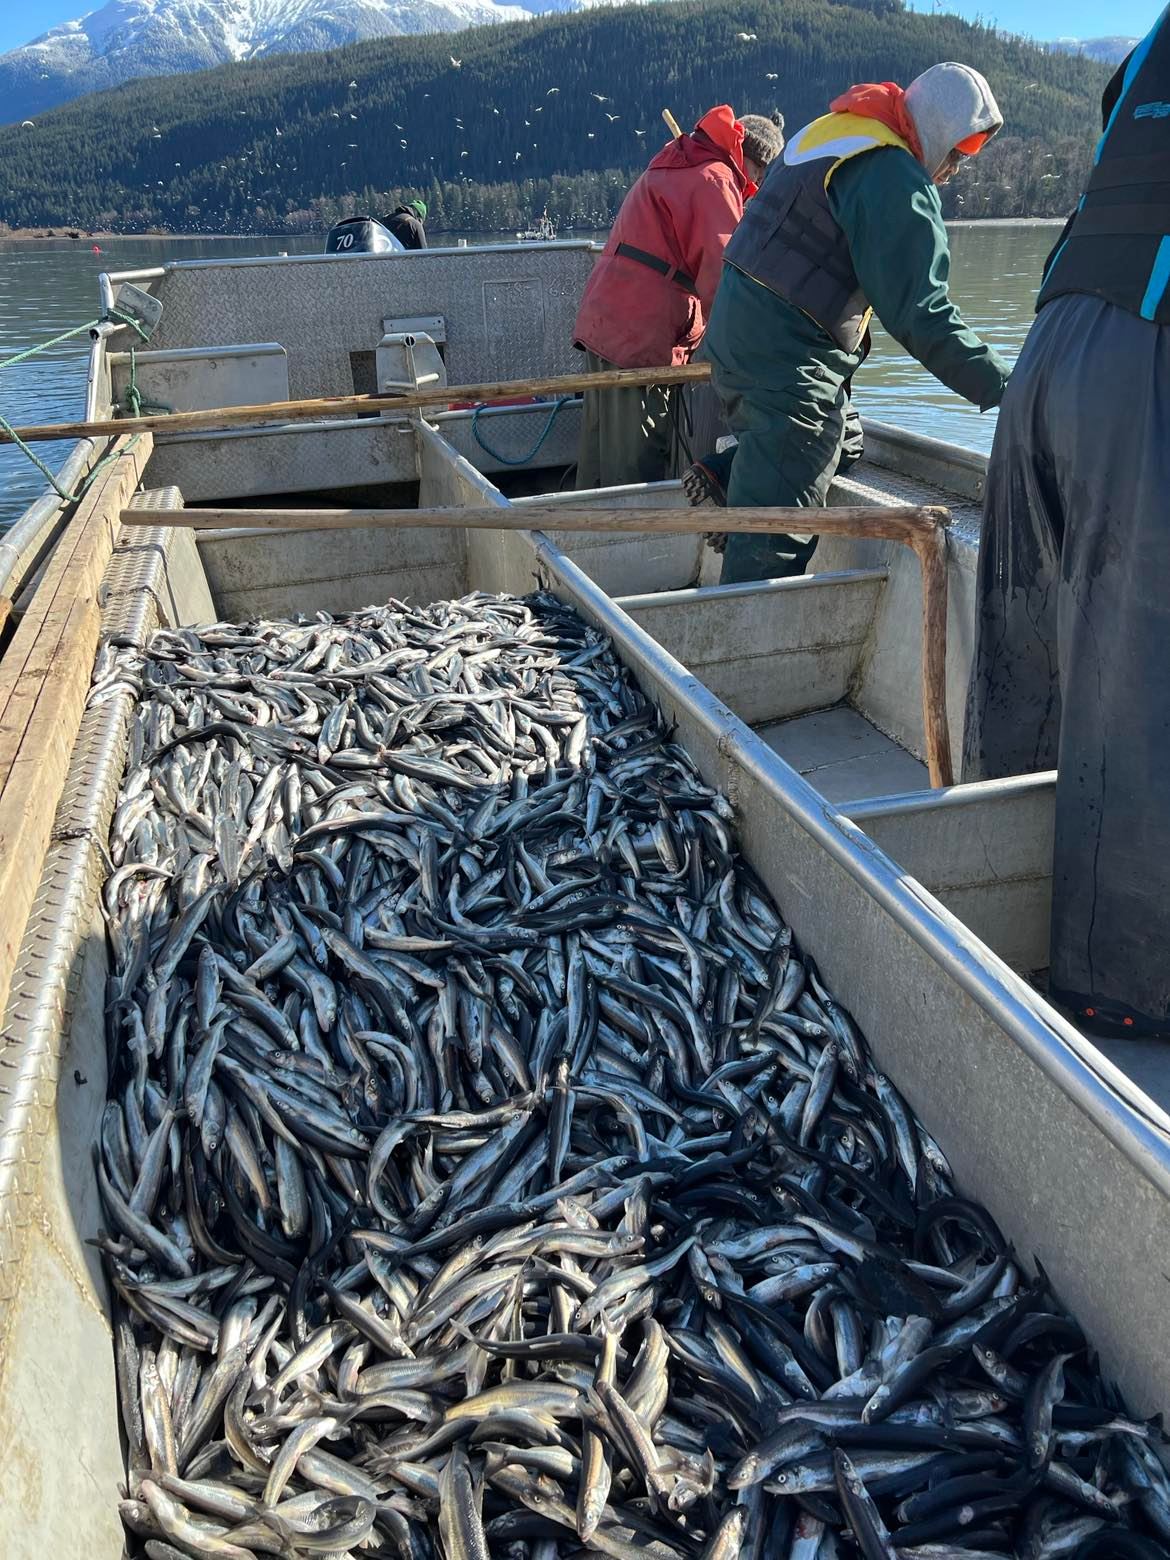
[{"x": 492, "y": 125}]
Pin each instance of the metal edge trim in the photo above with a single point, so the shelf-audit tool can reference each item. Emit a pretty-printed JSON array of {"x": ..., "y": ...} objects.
[
  {"x": 948, "y": 798},
  {"x": 410, "y": 256},
  {"x": 694, "y": 593}
]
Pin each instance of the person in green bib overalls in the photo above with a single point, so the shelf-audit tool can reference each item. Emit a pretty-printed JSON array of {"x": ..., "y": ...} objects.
[{"x": 847, "y": 224}]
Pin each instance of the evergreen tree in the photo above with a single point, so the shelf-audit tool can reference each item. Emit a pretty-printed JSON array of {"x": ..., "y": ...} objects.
[{"x": 559, "y": 113}]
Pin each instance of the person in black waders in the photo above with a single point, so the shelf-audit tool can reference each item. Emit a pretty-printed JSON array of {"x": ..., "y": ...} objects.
[
  {"x": 406, "y": 223},
  {"x": 1072, "y": 660}
]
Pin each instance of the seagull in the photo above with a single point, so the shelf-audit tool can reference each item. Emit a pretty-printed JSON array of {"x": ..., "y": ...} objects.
[
  {"x": 465, "y": 154},
  {"x": 611, "y": 117},
  {"x": 517, "y": 156},
  {"x": 352, "y": 145},
  {"x": 457, "y": 63},
  {"x": 157, "y": 136},
  {"x": 400, "y": 127},
  {"x": 353, "y": 116},
  {"x": 746, "y": 37},
  {"x": 335, "y": 114},
  {"x": 353, "y": 83},
  {"x": 402, "y": 142},
  {"x": 771, "y": 75},
  {"x": 589, "y": 135},
  {"x": 551, "y": 90},
  {"x": 639, "y": 132},
  {"x": 280, "y": 132},
  {"x": 495, "y": 110},
  {"x": 538, "y": 110}
]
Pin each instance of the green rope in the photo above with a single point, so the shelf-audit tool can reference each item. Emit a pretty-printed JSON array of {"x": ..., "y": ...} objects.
[
  {"x": 47, "y": 471},
  {"x": 518, "y": 460},
  {"x": 136, "y": 403},
  {"x": 55, "y": 341},
  {"x": 68, "y": 335}
]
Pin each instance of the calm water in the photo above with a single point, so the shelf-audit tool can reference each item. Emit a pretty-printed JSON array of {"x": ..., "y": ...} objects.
[{"x": 50, "y": 285}]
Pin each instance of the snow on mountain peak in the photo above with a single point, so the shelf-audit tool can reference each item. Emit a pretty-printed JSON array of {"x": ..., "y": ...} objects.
[{"x": 127, "y": 38}]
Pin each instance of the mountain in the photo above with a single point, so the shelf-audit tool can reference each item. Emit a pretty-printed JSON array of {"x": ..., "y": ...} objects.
[
  {"x": 1110, "y": 51},
  {"x": 125, "y": 39},
  {"x": 559, "y": 110}
]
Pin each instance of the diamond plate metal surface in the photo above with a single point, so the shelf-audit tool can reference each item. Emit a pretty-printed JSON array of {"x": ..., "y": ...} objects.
[{"x": 509, "y": 313}]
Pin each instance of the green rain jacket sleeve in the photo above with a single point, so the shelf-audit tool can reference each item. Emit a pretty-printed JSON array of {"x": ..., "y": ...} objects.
[{"x": 891, "y": 216}]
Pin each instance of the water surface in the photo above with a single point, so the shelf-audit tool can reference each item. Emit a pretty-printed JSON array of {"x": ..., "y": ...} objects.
[{"x": 49, "y": 285}]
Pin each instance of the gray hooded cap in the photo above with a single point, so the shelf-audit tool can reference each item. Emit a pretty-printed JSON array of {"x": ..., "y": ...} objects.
[{"x": 948, "y": 103}]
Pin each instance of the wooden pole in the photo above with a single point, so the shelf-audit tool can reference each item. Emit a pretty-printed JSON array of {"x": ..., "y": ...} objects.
[
  {"x": 672, "y": 123},
  {"x": 347, "y": 405},
  {"x": 904, "y": 523},
  {"x": 44, "y": 681},
  {"x": 921, "y": 528},
  {"x": 930, "y": 547}
]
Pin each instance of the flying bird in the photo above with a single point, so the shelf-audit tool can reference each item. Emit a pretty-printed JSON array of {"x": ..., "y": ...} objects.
[
  {"x": 402, "y": 142},
  {"x": 611, "y": 117},
  {"x": 771, "y": 75},
  {"x": 495, "y": 110},
  {"x": 600, "y": 96},
  {"x": 551, "y": 90},
  {"x": 465, "y": 154},
  {"x": 457, "y": 63},
  {"x": 335, "y": 114},
  {"x": 639, "y": 132},
  {"x": 746, "y": 37},
  {"x": 279, "y": 131},
  {"x": 353, "y": 83},
  {"x": 589, "y": 135}
]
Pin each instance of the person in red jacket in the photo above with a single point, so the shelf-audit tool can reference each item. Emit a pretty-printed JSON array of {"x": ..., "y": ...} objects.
[{"x": 646, "y": 301}]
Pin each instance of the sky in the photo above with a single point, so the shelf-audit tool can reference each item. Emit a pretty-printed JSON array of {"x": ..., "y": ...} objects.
[{"x": 22, "y": 20}]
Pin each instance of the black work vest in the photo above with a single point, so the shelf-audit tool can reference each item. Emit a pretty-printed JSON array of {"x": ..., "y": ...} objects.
[
  {"x": 1117, "y": 245},
  {"x": 790, "y": 241}
]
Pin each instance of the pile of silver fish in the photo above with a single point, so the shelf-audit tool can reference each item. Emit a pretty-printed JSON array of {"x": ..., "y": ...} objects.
[{"x": 487, "y": 1171}]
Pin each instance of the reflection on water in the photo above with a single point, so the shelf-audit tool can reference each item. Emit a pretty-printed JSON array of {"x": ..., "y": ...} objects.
[{"x": 47, "y": 286}]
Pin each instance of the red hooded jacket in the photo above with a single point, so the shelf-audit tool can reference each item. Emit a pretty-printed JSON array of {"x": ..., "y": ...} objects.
[{"x": 682, "y": 210}]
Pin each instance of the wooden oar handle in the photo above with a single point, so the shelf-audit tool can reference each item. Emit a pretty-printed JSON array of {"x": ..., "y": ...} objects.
[{"x": 317, "y": 407}]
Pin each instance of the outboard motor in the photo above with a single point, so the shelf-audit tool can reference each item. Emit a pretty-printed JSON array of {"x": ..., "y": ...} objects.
[{"x": 361, "y": 236}]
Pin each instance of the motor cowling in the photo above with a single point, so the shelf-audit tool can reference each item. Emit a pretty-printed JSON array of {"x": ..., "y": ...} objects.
[{"x": 361, "y": 236}]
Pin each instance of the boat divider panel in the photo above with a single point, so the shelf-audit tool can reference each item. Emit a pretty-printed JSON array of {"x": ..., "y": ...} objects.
[{"x": 772, "y": 649}]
